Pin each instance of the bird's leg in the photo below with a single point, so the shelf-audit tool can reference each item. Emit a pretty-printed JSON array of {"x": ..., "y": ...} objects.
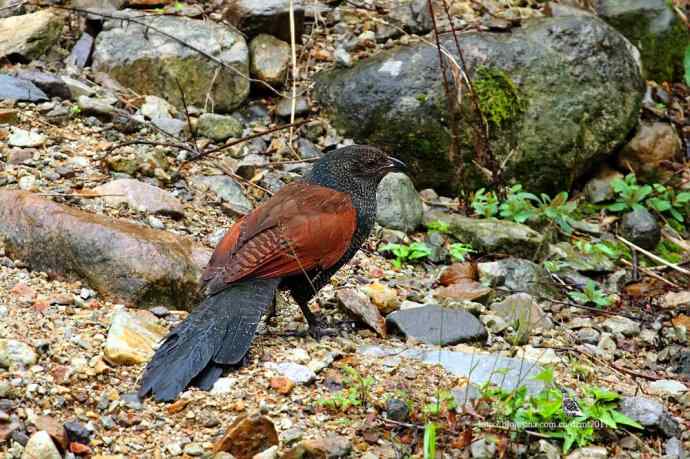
[
  {"x": 635, "y": 261},
  {"x": 317, "y": 329}
]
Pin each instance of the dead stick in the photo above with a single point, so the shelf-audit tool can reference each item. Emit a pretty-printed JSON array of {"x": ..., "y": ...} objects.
[{"x": 653, "y": 257}]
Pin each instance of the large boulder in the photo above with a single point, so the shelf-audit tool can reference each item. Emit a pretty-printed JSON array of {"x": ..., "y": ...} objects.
[
  {"x": 119, "y": 259},
  {"x": 558, "y": 94},
  {"x": 150, "y": 62},
  {"x": 28, "y": 36},
  {"x": 655, "y": 29}
]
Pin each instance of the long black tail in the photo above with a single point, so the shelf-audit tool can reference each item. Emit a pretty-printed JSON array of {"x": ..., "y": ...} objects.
[{"x": 216, "y": 334}]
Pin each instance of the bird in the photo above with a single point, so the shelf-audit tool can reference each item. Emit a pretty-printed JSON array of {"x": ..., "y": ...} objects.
[{"x": 295, "y": 241}]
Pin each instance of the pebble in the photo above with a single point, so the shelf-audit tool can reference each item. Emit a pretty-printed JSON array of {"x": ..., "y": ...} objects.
[
  {"x": 223, "y": 386},
  {"x": 299, "y": 374},
  {"x": 16, "y": 353},
  {"x": 668, "y": 387},
  {"x": 131, "y": 337},
  {"x": 622, "y": 325},
  {"x": 41, "y": 446},
  {"x": 23, "y": 138}
]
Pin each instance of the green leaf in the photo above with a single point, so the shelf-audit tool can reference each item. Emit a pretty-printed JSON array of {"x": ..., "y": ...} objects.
[
  {"x": 430, "y": 440},
  {"x": 546, "y": 376},
  {"x": 620, "y": 418},
  {"x": 617, "y": 207},
  {"x": 686, "y": 65}
]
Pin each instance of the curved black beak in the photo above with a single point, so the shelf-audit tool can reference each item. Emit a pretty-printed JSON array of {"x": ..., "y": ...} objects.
[{"x": 395, "y": 165}]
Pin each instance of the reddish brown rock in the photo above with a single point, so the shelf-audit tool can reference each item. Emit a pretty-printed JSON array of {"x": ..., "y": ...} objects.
[
  {"x": 247, "y": 436},
  {"x": 54, "y": 428},
  {"x": 361, "y": 306},
  {"x": 457, "y": 271},
  {"x": 126, "y": 262}
]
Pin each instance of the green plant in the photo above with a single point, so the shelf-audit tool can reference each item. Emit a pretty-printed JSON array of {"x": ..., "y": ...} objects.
[
  {"x": 485, "y": 204},
  {"x": 445, "y": 402},
  {"x": 558, "y": 210},
  {"x": 75, "y": 110},
  {"x": 670, "y": 251},
  {"x": 430, "y": 440},
  {"x": 459, "y": 251},
  {"x": 630, "y": 195},
  {"x": 356, "y": 392},
  {"x": 612, "y": 250},
  {"x": 686, "y": 65},
  {"x": 591, "y": 294},
  {"x": 518, "y": 205},
  {"x": 499, "y": 98},
  {"x": 665, "y": 199},
  {"x": 545, "y": 411},
  {"x": 438, "y": 226},
  {"x": 406, "y": 253}
]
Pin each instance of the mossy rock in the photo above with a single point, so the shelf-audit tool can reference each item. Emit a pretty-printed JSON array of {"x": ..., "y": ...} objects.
[
  {"x": 655, "y": 29},
  {"x": 558, "y": 95}
]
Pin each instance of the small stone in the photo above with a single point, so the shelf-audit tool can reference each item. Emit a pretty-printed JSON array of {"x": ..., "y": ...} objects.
[
  {"x": 332, "y": 446},
  {"x": 22, "y": 138},
  {"x": 674, "y": 449},
  {"x": 342, "y": 58},
  {"x": 668, "y": 387},
  {"x": 397, "y": 410},
  {"x": 155, "y": 107},
  {"x": 193, "y": 449},
  {"x": 622, "y": 325},
  {"x": 541, "y": 355},
  {"x": 398, "y": 205},
  {"x": 248, "y": 436},
  {"x": 54, "y": 428},
  {"x": 284, "y": 107},
  {"x": 641, "y": 228},
  {"x": 219, "y": 127},
  {"x": 599, "y": 189},
  {"x": 482, "y": 449},
  {"x": 16, "y": 353},
  {"x": 589, "y": 452},
  {"x": 522, "y": 310},
  {"x": 587, "y": 335},
  {"x": 131, "y": 337},
  {"x": 103, "y": 106},
  {"x": 17, "y": 89},
  {"x": 654, "y": 145},
  {"x": 297, "y": 373},
  {"x": 41, "y": 446},
  {"x": 675, "y": 299},
  {"x": 27, "y": 183},
  {"x": 549, "y": 450},
  {"x": 383, "y": 296},
  {"x": 141, "y": 197},
  {"x": 174, "y": 449},
  {"x": 226, "y": 189},
  {"x": 223, "y": 386},
  {"x": 270, "y": 58},
  {"x": 282, "y": 385}
]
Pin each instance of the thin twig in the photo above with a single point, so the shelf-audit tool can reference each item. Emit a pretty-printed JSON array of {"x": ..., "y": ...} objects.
[
  {"x": 652, "y": 274},
  {"x": 653, "y": 257}
]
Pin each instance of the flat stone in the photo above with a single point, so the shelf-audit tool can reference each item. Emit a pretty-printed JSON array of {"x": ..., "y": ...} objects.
[
  {"x": 433, "y": 324},
  {"x": 359, "y": 304},
  {"x": 543, "y": 356},
  {"x": 150, "y": 63},
  {"x": 12, "y": 88},
  {"x": 223, "y": 386},
  {"x": 119, "y": 259},
  {"x": 589, "y": 452},
  {"x": 623, "y": 325},
  {"x": 16, "y": 353},
  {"x": 398, "y": 205},
  {"x": 49, "y": 83},
  {"x": 142, "y": 197},
  {"x": 650, "y": 414},
  {"x": 516, "y": 275},
  {"x": 668, "y": 387},
  {"x": 284, "y": 107},
  {"x": 490, "y": 235},
  {"x": 132, "y": 337},
  {"x": 81, "y": 52},
  {"x": 102, "y": 106},
  {"x": 226, "y": 189},
  {"x": 29, "y": 36},
  {"x": 506, "y": 372}
]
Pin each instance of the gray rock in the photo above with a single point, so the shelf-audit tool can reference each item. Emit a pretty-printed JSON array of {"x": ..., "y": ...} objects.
[
  {"x": 284, "y": 107},
  {"x": 81, "y": 53},
  {"x": 266, "y": 16},
  {"x": 433, "y": 324},
  {"x": 651, "y": 414},
  {"x": 226, "y": 189},
  {"x": 150, "y": 63},
  {"x": 342, "y": 57},
  {"x": 516, "y": 275},
  {"x": 41, "y": 446},
  {"x": 412, "y": 16},
  {"x": 599, "y": 188},
  {"x": 307, "y": 149},
  {"x": 466, "y": 394},
  {"x": 359, "y": 304},
  {"x": 655, "y": 29},
  {"x": 524, "y": 314},
  {"x": 49, "y": 83},
  {"x": 120, "y": 260},
  {"x": 218, "y": 127},
  {"x": 78, "y": 88},
  {"x": 270, "y": 58},
  {"x": 382, "y": 99},
  {"x": 490, "y": 235},
  {"x": 483, "y": 449},
  {"x": 141, "y": 197},
  {"x": 299, "y": 374},
  {"x": 622, "y": 325},
  {"x": 641, "y": 228},
  {"x": 171, "y": 126},
  {"x": 587, "y": 335},
  {"x": 16, "y": 353},
  {"x": 548, "y": 450},
  {"x": 22, "y": 138},
  {"x": 11, "y": 8},
  {"x": 103, "y": 106},
  {"x": 12, "y": 88},
  {"x": 156, "y": 107},
  {"x": 398, "y": 205},
  {"x": 397, "y": 410},
  {"x": 29, "y": 36}
]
